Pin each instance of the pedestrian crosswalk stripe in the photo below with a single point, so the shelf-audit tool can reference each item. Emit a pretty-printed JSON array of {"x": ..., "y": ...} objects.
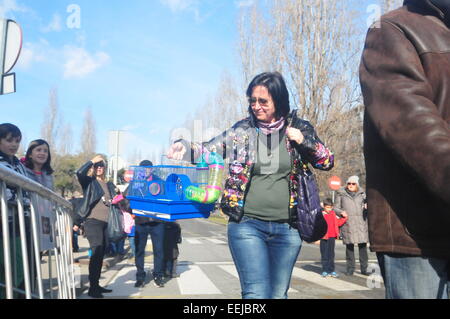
[
  {"x": 216, "y": 241},
  {"x": 193, "y": 241},
  {"x": 193, "y": 281},
  {"x": 330, "y": 283},
  {"x": 201, "y": 240},
  {"x": 232, "y": 270}
]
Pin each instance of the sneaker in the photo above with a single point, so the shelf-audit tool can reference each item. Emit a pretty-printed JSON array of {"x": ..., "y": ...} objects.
[
  {"x": 158, "y": 282},
  {"x": 324, "y": 274},
  {"x": 334, "y": 274},
  {"x": 139, "y": 284},
  {"x": 349, "y": 273},
  {"x": 365, "y": 273}
]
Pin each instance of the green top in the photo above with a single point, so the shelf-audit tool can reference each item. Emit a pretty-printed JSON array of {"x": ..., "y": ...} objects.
[{"x": 268, "y": 194}]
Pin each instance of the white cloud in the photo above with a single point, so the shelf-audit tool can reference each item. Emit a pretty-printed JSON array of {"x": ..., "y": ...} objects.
[
  {"x": 191, "y": 6},
  {"x": 179, "y": 5},
  {"x": 80, "y": 62},
  {"x": 31, "y": 53},
  {"x": 7, "y": 7},
  {"x": 55, "y": 25},
  {"x": 26, "y": 58},
  {"x": 244, "y": 3}
]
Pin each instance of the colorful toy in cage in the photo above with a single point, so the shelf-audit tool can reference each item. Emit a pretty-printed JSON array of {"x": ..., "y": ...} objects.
[
  {"x": 177, "y": 192},
  {"x": 211, "y": 192}
]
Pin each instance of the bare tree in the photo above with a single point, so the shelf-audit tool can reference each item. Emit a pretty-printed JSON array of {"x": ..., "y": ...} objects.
[
  {"x": 316, "y": 45},
  {"x": 51, "y": 123},
  {"x": 88, "y": 135},
  {"x": 66, "y": 140},
  {"x": 389, "y": 5}
]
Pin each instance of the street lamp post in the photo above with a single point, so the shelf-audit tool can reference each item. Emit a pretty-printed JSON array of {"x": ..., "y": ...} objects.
[{"x": 116, "y": 155}]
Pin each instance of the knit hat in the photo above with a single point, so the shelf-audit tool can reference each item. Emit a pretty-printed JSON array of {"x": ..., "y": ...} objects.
[{"x": 353, "y": 179}]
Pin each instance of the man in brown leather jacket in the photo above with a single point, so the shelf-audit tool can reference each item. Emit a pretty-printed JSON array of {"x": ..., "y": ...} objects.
[{"x": 405, "y": 80}]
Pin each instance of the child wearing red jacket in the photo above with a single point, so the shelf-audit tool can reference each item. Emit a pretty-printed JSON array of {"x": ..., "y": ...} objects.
[{"x": 327, "y": 243}]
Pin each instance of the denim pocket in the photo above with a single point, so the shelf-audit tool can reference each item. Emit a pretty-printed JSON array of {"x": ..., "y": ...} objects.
[{"x": 244, "y": 220}]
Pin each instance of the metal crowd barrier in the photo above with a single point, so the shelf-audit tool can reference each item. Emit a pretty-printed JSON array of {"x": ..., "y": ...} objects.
[{"x": 21, "y": 253}]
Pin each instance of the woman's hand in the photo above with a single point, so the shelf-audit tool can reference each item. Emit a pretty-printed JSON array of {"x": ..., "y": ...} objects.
[
  {"x": 295, "y": 135},
  {"x": 97, "y": 159},
  {"x": 176, "y": 151}
]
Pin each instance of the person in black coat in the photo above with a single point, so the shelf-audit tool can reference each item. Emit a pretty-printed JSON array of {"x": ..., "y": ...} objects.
[
  {"x": 94, "y": 211},
  {"x": 172, "y": 237}
]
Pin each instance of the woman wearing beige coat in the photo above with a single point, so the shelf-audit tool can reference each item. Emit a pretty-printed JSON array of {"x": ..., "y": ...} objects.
[{"x": 352, "y": 200}]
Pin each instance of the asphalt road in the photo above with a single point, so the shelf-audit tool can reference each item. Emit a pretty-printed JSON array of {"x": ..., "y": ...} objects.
[{"x": 207, "y": 271}]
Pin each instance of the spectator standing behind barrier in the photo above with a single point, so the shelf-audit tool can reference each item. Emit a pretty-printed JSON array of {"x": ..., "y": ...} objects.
[
  {"x": 76, "y": 230},
  {"x": 95, "y": 211},
  {"x": 352, "y": 201},
  {"x": 128, "y": 220},
  {"x": 328, "y": 242},
  {"x": 38, "y": 162},
  {"x": 10, "y": 138},
  {"x": 405, "y": 81},
  {"x": 155, "y": 228},
  {"x": 172, "y": 237},
  {"x": 266, "y": 151}
]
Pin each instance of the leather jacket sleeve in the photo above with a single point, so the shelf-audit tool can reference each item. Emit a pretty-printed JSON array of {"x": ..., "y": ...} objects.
[
  {"x": 82, "y": 176},
  {"x": 221, "y": 144},
  {"x": 399, "y": 103},
  {"x": 313, "y": 149}
]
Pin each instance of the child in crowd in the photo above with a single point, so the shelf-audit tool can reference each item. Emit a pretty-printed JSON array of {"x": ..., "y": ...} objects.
[
  {"x": 172, "y": 237},
  {"x": 327, "y": 243},
  {"x": 10, "y": 138},
  {"x": 38, "y": 161}
]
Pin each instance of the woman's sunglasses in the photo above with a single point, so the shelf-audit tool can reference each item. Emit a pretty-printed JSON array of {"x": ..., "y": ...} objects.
[
  {"x": 262, "y": 102},
  {"x": 351, "y": 183}
]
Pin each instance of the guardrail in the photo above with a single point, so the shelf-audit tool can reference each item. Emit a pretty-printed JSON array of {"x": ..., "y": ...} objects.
[{"x": 24, "y": 270}]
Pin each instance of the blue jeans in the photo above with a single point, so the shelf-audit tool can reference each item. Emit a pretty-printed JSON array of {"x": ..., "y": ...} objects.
[
  {"x": 117, "y": 248},
  {"x": 413, "y": 277},
  {"x": 327, "y": 254},
  {"x": 156, "y": 232},
  {"x": 264, "y": 254},
  {"x": 132, "y": 245},
  {"x": 75, "y": 240}
]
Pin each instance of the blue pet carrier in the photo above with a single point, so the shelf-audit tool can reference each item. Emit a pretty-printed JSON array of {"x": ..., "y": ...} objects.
[{"x": 166, "y": 192}]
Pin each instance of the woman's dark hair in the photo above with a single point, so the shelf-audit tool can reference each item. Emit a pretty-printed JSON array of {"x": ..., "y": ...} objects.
[
  {"x": 29, "y": 163},
  {"x": 276, "y": 86},
  {"x": 8, "y": 128}
]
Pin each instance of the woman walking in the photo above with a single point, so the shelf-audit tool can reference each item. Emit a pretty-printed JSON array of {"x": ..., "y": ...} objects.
[
  {"x": 351, "y": 200},
  {"x": 95, "y": 210},
  {"x": 266, "y": 152}
]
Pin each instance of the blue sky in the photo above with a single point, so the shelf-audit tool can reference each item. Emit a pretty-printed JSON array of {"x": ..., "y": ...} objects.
[{"x": 141, "y": 65}]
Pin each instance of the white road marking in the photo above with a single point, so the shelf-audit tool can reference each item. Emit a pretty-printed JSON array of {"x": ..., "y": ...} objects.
[
  {"x": 193, "y": 281},
  {"x": 216, "y": 241},
  {"x": 232, "y": 271},
  {"x": 328, "y": 282},
  {"x": 192, "y": 241}
]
